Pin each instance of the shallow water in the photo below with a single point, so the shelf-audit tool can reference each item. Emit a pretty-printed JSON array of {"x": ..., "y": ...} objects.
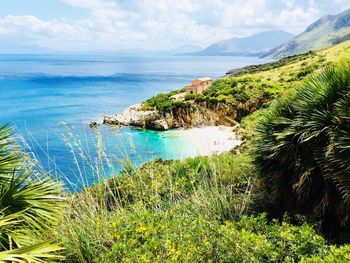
[{"x": 39, "y": 92}]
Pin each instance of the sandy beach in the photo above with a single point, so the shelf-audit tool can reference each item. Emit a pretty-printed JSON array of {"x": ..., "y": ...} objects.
[{"x": 211, "y": 140}]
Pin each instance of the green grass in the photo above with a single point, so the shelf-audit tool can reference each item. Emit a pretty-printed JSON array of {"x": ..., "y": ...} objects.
[{"x": 205, "y": 184}]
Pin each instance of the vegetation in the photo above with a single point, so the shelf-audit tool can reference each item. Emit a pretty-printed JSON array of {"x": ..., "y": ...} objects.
[
  {"x": 156, "y": 186},
  {"x": 164, "y": 102},
  {"x": 201, "y": 209},
  {"x": 178, "y": 236},
  {"x": 302, "y": 149},
  {"x": 30, "y": 206}
]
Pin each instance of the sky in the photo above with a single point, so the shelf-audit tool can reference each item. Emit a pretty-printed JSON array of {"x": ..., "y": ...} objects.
[{"x": 114, "y": 25}]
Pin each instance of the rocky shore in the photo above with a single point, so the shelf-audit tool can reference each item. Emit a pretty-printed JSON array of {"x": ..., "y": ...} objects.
[
  {"x": 135, "y": 116},
  {"x": 195, "y": 116}
]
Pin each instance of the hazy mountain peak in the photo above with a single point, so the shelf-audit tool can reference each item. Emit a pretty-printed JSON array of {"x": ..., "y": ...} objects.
[
  {"x": 252, "y": 45},
  {"x": 325, "y": 32},
  {"x": 342, "y": 20}
]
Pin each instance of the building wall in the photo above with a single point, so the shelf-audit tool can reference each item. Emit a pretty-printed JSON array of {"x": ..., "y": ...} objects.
[
  {"x": 198, "y": 86},
  {"x": 196, "y": 82}
]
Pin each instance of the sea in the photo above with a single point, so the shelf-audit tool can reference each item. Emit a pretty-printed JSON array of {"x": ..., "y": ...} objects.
[{"x": 49, "y": 100}]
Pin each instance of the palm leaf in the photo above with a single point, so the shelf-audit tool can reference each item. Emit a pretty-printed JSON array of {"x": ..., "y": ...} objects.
[{"x": 302, "y": 148}]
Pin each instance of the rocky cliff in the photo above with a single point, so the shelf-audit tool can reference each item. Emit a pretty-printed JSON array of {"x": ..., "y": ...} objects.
[{"x": 195, "y": 116}]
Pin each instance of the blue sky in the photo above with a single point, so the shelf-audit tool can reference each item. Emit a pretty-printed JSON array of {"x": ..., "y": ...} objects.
[{"x": 111, "y": 25}]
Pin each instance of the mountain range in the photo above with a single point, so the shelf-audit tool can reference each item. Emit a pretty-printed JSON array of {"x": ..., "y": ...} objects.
[
  {"x": 325, "y": 32},
  {"x": 253, "y": 45}
]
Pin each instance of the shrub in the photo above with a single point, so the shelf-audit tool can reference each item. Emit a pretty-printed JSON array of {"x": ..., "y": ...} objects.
[
  {"x": 195, "y": 97},
  {"x": 302, "y": 149},
  {"x": 161, "y": 102},
  {"x": 334, "y": 254},
  {"x": 183, "y": 235}
]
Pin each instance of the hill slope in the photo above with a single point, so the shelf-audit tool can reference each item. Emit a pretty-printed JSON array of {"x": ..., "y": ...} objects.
[
  {"x": 246, "y": 46},
  {"x": 325, "y": 32}
]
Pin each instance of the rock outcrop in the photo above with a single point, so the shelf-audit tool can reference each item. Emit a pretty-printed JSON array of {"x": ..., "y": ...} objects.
[
  {"x": 135, "y": 116},
  {"x": 195, "y": 116}
]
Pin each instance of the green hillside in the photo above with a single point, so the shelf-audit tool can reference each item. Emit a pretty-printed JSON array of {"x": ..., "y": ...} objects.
[{"x": 325, "y": 32}]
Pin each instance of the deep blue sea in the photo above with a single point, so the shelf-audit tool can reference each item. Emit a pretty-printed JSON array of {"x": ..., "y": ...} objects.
[{"x": 51, "y": 99}]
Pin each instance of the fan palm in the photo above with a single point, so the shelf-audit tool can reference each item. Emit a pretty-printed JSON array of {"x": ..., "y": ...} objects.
[
  {"x": 30, "y": 204},
  {"x": 302, "y": 149}
]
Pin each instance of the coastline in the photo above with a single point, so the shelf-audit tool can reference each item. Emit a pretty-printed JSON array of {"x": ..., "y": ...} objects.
[{"x": 208, "y": 140}]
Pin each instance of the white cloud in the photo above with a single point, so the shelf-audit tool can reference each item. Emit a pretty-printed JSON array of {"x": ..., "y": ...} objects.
[{"x": 151, "y": 24}]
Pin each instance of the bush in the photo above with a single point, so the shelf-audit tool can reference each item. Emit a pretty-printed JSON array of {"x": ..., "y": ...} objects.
[
  {"x": 161, "y": 102},
  {"x": 195, "y": 97},
  {"x": 182, "y": 235},
  {"x": 302, "y": 150},
  {"x": 334, "y": 254}
]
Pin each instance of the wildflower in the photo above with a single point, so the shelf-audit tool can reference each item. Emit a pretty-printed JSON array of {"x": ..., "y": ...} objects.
[
  {"x": 172, "y": 251},
  {"x": 141, "y": 229},
  {"x": 144, "y": 259}
]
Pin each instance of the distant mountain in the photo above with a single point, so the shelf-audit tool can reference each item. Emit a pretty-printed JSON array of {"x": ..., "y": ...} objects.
[
  {"x": 325, "y": 32},
  {"x": 253, "y": 45}
]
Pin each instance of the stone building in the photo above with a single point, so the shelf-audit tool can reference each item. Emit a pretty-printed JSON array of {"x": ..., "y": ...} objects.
[{"x": 199, "y": 85}]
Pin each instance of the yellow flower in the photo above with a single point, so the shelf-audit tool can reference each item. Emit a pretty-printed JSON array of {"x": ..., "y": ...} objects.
[
  {"x": 141, "y": 229},
  {"x": 171, "y": 251},
  {"x": 228, "y": 223},
  {"x": 144, "y": 259},
  {"x": 139, "y": 203}
]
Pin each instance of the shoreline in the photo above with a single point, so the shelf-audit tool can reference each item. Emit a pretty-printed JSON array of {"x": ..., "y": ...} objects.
[{"x": 210, "y": 140}]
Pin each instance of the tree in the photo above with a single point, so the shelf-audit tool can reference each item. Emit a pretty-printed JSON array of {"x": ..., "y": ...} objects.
[{"x": 302, "y": 149}]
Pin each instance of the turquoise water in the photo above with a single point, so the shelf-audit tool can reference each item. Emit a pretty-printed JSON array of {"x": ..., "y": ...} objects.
[{"x": 39, "y": 92}]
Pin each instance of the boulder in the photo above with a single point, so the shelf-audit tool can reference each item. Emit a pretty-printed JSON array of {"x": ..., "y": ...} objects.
[{"x": 94, "y": 124}]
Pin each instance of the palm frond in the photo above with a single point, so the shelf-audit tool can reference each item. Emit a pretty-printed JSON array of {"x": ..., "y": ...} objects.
[
  {"x": 30, "y": 203},
  {"x": 302, "y": 147}
]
